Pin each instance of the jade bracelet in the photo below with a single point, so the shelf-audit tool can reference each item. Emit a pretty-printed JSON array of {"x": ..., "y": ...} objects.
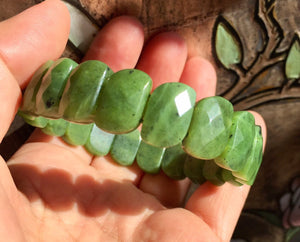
[{"x": 117, "y": 113}]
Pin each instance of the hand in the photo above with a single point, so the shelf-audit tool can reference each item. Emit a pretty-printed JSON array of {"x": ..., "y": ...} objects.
[{"x": 54, "y": 192}]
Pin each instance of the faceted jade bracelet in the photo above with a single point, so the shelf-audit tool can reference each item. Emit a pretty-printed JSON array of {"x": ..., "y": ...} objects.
[{"x": 89, "y": 105}]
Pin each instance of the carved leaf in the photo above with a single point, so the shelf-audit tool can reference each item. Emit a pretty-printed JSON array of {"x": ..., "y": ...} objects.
[
  {"x": 292, "y": 66},
  {"x": 227, "y": 45},
  {"x": 292, "y": 233}
]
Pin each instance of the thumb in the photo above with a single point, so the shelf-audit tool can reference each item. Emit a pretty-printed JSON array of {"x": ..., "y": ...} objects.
[
  {"x": 34, "y": 36},
  {"x": 10, "y": 96},
  {"x": 27, "y": 40}
]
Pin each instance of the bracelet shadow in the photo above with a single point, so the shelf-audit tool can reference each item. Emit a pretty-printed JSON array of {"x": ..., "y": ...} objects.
[{"x": 59, "y": 191}]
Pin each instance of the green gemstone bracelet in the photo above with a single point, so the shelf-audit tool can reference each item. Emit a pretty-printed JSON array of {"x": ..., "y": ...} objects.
[{"x": 87, "y": 104}]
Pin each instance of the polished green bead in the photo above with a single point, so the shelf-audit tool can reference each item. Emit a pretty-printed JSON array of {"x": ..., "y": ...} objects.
[
  {"x": 29, "y": 98},
  {"x": 208, "y": 134},
  {"x": 254, "y": 173},
  {"x": 213, "y": 173},
  {"x": 193, "y": 169},
  {"x": 228, "y": 177},
  {"x": 122, "y": 101},
  {"x": 52, "y": 87},
  {"x": 249, "y": 171},
  {"x": 252, "y": 177},
  {"x": 35, "y": 121},
  {"x": 149, "y": 158},
  {"x": 125, "y": 147},
  {"x": 55, "y": 127},
  {"x": 173, "y": 162},
  {"x": 168, "y": 114},
  {"x": 77, "y": 134},
  {"x": 79, "y": 100},
  {"x": 99, "y": 141},
  {"x": 240, "y": 142}
]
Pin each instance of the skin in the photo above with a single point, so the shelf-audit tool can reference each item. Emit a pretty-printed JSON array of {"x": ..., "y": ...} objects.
[{"x": 51, "y": 191}]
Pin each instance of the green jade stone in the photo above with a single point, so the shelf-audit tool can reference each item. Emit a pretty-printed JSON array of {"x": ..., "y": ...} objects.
[
  {"x": 125, "y": 147},
  {"x": 122, "y": 101},
  {"x": 168, "y": 114},
  {"x": 173, "y": 162},
  {"x": 52, "y": 87},
  {"x": 29, "y": 97},
  {"x": 228, "y": 177},
  {"x": 149, "y": 158},
  {"x": 208, "y": 134},
  {"x": 254, "y": 173},
  {"x": 79, "y": 100},
  {"x": 77, "y": 134},
  {"x": 252, "y": 178},
  {"x": 249, "y": 171},
  {"x": 213, "y": 173},
  {"x": 240, "y": 142},
  {"x": 99, "y": 142},
  {"x": 193, "y": 169},
  {"x": 35, "y": 121},
  {"x": 55, "y": 127}
]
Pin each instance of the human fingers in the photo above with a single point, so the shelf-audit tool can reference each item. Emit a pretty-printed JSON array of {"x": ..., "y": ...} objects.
[
  {"x": 119, "y": 45},
  {"x": 220, "y": 207},
  {"x": 32, "y": 37},
  {"x": 161, "y": 53},
  {"x": 164, "y": 59},
  {"x": 43, "y": 37},
  {"x": 200, "y": 75},
  {"x": 10, "y": 97},
  {"x": 26, "y": 41}
]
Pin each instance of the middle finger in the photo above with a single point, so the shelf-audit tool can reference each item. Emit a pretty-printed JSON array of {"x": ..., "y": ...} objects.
[{"x": 119, "y": 45}]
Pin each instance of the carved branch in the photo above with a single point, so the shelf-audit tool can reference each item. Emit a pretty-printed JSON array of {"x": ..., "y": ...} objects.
[
  {"x": 271, "y": 25},
  {"x": 245, "y": 79},
  {"x": 272, "y": 95},
  {"x": 265, "y": 58}
]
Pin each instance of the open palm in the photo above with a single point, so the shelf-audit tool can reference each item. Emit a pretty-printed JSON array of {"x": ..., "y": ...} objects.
[{"x": 54, "y": 192}]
